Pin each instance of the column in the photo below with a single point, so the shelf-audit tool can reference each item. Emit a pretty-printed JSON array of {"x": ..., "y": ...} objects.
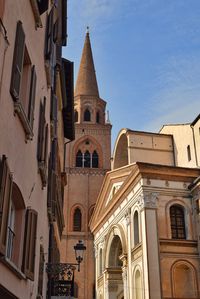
[{"x": 150, "y": 242}]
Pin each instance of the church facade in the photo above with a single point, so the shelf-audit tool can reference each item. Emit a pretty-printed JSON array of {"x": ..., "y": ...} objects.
[
  {"x": 146, "y": 220},
  {"x": 88, "y": 159}
]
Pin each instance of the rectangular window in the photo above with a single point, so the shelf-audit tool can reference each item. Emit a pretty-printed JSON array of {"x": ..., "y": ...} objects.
[
  {"x": 23, "y": 82},
  {"x": 188, "y": 152}
]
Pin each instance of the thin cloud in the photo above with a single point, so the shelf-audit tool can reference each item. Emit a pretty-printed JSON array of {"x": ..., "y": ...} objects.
[{"x": 178, "y": 97}]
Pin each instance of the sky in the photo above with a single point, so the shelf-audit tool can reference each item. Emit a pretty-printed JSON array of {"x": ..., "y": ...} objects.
[{"x": 146, "y": 55}]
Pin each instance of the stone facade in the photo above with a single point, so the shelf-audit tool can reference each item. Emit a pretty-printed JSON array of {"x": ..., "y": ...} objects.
[{"x": 146, "y": 222}]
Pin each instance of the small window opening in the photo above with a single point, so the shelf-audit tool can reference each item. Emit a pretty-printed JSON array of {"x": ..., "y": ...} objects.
[
  {"x": 87, "y": 116},
  {"x": 188, "y": 152},
  {"x": 97, "y": 118}
]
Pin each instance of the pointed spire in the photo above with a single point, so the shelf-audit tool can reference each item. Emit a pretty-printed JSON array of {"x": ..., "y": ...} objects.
[{"x": 86, "y": 83}]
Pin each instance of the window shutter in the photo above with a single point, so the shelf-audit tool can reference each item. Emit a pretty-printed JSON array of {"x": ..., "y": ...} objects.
[
  {"x": 30, "y": 243},
  {"x": 54, "y": 115},
  {"x": 41, "y": 271},
  {"x": 46, "y": 144},
  {"x": 41, "y": 131},
  {"x": 5, "y": 198},
  {"x": 32, "y": 97},
  {"x": 54, "y": 107},
  {"x": 68, "y": 98},
  {"x": 49, "y": 35},
  {"x": 64, "y": 22},
  {"x": 54, "y": 151},
  {"x": 55, "y": 31},
  {"x": 17, "y": 62}
]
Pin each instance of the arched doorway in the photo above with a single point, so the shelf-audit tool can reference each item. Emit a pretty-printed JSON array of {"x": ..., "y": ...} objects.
[{"x": 115, "y": 286}]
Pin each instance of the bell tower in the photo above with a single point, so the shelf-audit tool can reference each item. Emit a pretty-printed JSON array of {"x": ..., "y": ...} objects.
[{"x": 87, "y": 161}]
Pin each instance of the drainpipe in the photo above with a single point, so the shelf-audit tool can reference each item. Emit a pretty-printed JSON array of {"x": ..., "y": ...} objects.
[
  {"x": 4, "y": 53},
  {"x": 195, "y": 149}
]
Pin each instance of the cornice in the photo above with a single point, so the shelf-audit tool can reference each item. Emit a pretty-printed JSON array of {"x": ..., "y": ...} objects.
[{"x": 86, "y": 171}]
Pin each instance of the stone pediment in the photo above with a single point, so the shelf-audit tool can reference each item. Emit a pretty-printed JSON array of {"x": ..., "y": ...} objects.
[{"x": 112, "y": 187}]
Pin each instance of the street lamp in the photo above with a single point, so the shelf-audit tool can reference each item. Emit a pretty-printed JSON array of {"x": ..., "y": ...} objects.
[
  {"x": 79, "y": 252},
  {"x": 61, "y": 275}
]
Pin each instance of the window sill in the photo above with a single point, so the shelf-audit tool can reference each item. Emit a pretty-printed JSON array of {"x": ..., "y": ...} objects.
[
  {"x": 13, "y": 268},
  {"x": 18, "y": 109},
  {"x": 36, "y": 13},
  {"x": 43, "y": 173}
]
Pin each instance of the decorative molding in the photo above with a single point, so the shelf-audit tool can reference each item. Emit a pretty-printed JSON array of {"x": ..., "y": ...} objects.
[
  {"x": 128, "y": 216},
  {"x": 148, "y": 200},
  {"x": 196, "y": 195},
  {"x": 88, "y": 171},
  {"x": 95, "y": 251},
  {"x": 124, "y": 274}
]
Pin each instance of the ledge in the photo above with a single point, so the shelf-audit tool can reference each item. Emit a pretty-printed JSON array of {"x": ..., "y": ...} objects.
[
  {"x": 19, "y": 110},
  {"x": 13, "y": 268},
  {"x": 178, "y": 242}
]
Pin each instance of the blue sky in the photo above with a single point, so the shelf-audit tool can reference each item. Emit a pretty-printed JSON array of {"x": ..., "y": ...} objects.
[{"x": 146, "y": 55}]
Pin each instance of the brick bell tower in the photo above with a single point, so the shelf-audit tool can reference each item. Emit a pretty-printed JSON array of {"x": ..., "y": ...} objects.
[{"x": 87, "y": 161}]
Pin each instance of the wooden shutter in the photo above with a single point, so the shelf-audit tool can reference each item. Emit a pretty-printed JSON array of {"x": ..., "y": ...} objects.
[
  {"x": 46, "y": 144},
  {"x": 64, "y": 22},
  {"x": 49, "y": 35},
  {"x": 41, "y": 271},
  {"x": 5, "y": 198},
  {"x": 54, "y": 107},
  {"x": 32, "y": 96},
  {"x": 68, "y": 98},
  {"x": 18, "y": 59},
  {"x": 54, "y": 152},
  {"x": 54, "y": 115},
  {"x": 29, "y": 244},
  {"x": 55, "y": 31},
  {"x": 41, "y": 131}
]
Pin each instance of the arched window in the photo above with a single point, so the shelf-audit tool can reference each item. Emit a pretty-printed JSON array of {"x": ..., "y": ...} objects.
[
  {"x": 75, "y": 290},
  {"x": 77, "y": 220},
  {"x": 100, "y": 262},
  {"x": 79, "y": 159},
  {"x": 76, "y": 116},
  {"x": 95, "y": 160},
  {"x": 97, "y": 117},
  {"x": 177, "y": 222},
  {"x": 87, "y": 116},
  {"x": 87, "y": 159},
  {"x": 138, "y": 285},
  {"x": 136, "y": 228}
]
